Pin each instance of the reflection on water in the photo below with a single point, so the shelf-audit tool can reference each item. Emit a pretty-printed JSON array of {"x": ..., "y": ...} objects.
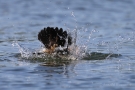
[{"x": 103, "y": 32}]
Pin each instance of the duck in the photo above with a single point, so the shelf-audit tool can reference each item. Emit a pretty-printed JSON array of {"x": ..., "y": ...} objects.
[{"x": 55, "y": 40}]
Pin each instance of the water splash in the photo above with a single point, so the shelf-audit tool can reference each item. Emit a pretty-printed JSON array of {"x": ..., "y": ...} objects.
[
  {"x": 82, "y": 45},
  {"x": 23, "y": 51},
  {"x": 76, "y": 52}
]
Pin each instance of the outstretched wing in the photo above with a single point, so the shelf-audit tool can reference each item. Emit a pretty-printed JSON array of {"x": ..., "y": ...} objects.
[{"x": 50, "y": 36}]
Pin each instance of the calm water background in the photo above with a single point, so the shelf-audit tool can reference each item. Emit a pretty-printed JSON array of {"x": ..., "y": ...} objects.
[{"x": 106, "y": 26}]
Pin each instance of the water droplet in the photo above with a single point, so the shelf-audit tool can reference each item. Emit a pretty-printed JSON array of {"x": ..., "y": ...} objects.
[{"x": 72, "y": 14}]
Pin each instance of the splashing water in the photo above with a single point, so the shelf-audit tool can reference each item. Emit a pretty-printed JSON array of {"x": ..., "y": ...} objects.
[
  {"x": 76, "y": 52},
  {"x": 80, "y": 47},
  {"x": 24, "y": 52}
]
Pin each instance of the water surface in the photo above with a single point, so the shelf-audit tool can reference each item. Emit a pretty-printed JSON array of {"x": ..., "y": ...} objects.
[{"x": 105, "y": 26}]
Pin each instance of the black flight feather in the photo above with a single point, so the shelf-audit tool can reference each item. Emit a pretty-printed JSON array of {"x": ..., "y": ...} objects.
[{"x": 49, "y": 36}]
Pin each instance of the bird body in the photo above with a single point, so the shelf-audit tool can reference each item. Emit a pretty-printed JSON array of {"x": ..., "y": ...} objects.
[{"x": 53, "y": 38}]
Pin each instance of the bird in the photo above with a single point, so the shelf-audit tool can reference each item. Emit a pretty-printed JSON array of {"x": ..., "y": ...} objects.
[{"x": 53, "y": 38}]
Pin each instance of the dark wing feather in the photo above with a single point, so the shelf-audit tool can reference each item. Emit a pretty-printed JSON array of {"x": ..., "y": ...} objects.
[
  {"x": 54, "y": 36},
  {"x": 43, "y": 36}
]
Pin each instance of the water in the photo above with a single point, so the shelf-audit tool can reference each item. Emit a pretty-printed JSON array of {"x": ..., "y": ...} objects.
[{"x": 105, "y": 27}]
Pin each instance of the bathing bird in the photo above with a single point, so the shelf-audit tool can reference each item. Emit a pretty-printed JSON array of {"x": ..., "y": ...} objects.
[{"x": 54, "y": 38}]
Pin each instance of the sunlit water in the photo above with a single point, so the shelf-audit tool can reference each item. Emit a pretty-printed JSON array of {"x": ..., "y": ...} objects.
[{"x": 104, "y": 44}]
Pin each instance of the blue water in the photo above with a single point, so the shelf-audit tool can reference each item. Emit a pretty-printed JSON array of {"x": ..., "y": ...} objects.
[{"x": 103, "y": 26}]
